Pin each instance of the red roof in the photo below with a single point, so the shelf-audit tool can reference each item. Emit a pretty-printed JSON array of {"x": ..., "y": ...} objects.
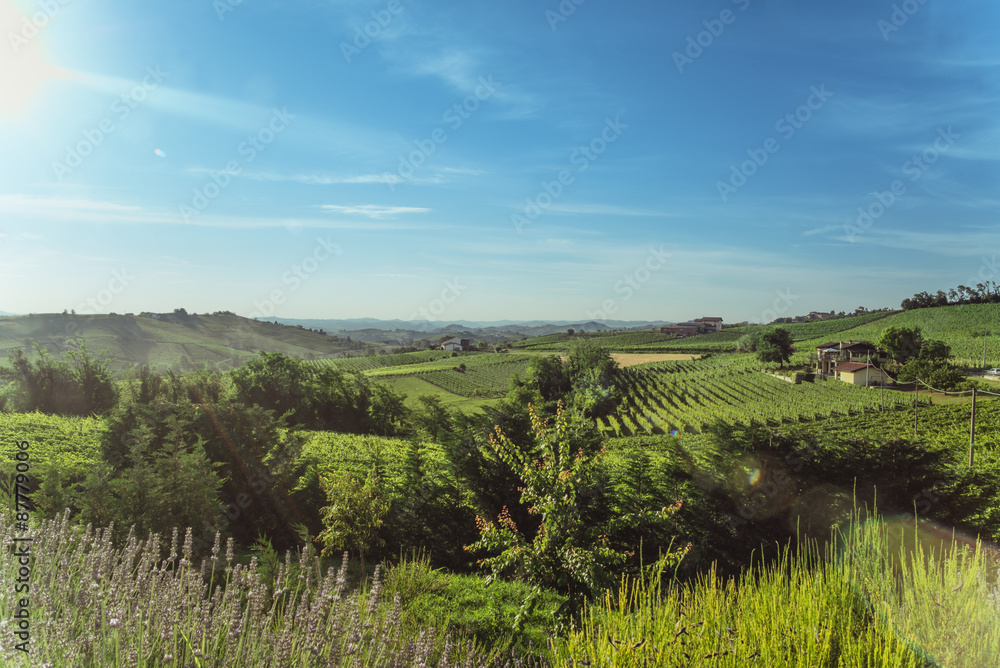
[{"x": 851, "y": 367}]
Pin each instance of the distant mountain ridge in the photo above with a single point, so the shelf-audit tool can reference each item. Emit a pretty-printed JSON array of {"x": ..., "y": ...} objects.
[{"x": 416, "y": 328}]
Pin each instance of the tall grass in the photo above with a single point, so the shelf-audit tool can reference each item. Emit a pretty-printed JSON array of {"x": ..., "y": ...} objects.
[
  {"x": 92, "y": 605},
  {"x": 887, "y": 594}
]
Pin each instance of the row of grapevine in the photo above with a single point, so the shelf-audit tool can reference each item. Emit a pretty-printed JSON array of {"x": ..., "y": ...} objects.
[{"x": 670, "y": 396}]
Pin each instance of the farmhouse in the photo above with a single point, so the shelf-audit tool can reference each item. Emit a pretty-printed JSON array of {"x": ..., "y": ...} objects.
[
  {"x": 456, "y": 345},
  {"x": 830, "y": 355},
  {"x": 710, "y": 324},
  {"x": 697, "y": 326},
  {"x": 861, "y": 373}
]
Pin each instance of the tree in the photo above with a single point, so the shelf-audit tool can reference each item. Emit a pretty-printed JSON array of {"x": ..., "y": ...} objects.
[
  {"x": 776, "y": 346},
  {"x": 902, "y": 343},
  {"x": 586, "y": 356},
  {"x": 571, "y": 331},
  {"x": 356, "y": 513},
  {"x": 570, "y": 552},
  {"x": 546, "y": 374},
  {"x": 748, "y": 342},
  {"x": 83, "y": 386}
]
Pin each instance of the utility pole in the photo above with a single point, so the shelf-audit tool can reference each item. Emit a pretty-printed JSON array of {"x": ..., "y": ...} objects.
[{"x": 972, "y": 430}]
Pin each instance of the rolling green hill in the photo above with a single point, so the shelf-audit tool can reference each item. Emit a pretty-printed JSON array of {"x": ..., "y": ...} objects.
[
  {"x": 960, "y": 326},
  {"x": 223, "y": 340}
]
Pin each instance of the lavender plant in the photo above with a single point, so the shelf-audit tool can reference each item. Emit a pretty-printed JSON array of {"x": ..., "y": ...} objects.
[{"x": 95, "y": 605}]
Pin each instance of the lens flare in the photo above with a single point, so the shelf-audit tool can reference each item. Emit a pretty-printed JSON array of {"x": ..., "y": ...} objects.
[
  {"x": 160, "y": 153},
  {"x": 675, "y": 433},
  {"x": 754, "y": 477}
]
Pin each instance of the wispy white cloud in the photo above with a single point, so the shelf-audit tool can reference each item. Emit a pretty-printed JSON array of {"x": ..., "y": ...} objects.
[
  {"x": 603, "y": 210},
  {"x": 23, "y": 208},
  {"x": 373, "y": 211}
]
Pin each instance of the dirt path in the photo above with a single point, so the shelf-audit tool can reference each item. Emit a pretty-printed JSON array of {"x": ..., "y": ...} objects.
[{"x": 631, "y": 359}]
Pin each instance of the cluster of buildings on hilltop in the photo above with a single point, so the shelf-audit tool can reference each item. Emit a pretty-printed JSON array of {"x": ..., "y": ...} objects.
[{"x": 697, "y": 326}]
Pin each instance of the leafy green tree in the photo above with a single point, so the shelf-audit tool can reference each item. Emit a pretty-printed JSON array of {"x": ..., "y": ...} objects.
[
  {"x": 324, "y": 398},
  {"x": 592, "y": 398},
  {"x": 356, "y": 513},
  {"x": 936, "y": 351},
  {"x": 776, "y": 346},
  {"x": 547, "y": 375},
  {"x": 570, "y": 551},
  {"x": 902, "y": 343},
  {"x": 586, "y": 357},
  {"x": 82, "y": 386},
  {"x": 188, "y": 418},
  {"x": 748, "y": 342}
]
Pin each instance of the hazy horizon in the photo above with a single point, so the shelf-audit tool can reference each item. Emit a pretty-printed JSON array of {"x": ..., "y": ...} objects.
[{"x": 748, "y": 159}]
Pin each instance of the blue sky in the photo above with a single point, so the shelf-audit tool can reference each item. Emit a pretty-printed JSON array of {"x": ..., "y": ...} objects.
[{"x": 484, "y": 160}]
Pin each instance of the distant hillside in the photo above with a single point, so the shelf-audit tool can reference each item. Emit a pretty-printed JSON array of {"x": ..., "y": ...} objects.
[
  {"x": 371, "y": 329},
  {"x": 961, "y": 327},
  {"x": 170, "y": 340}
]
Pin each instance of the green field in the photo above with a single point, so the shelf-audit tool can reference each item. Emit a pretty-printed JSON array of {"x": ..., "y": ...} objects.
[
  {"x": 415, "y": 387},
  {"x": 486, "y": 375}
]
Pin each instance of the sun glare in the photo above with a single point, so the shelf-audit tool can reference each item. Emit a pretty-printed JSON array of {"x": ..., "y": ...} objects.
[{"x": 24, "y": 69}]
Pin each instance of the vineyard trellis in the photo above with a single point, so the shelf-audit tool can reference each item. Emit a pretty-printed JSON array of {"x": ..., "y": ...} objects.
[{"x": 689, "y": 396}]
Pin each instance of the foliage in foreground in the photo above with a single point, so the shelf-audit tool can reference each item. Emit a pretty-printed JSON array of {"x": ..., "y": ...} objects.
[
  {"x": 892, "y": 596},
  {"x": 571, "y": 551},
  {"x": 95, "y": 606}
]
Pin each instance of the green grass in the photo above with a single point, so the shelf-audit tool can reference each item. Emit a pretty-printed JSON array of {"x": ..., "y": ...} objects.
[
  {"x": 415, "y": 387},
  {"x": 468, "y": 608},
  {"x": 486, "y": 375},
  {"x": 891, "y": 595}
]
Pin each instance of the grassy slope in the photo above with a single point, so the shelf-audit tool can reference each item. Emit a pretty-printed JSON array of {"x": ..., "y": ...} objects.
[
  {"x": 223, "y": 339},
  {"x": 414, "y": 388}
]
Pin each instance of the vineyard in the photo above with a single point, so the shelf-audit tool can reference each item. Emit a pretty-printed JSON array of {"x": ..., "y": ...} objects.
[
  {"x": 69, "y": 444},
  {"x": 483, "y": 375},
  {"x": 371, "y": 362},
  {"x": 614, "y": 341},
  {"x": 654, "y": 341},
  {"x": 675, "y": 397}
]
